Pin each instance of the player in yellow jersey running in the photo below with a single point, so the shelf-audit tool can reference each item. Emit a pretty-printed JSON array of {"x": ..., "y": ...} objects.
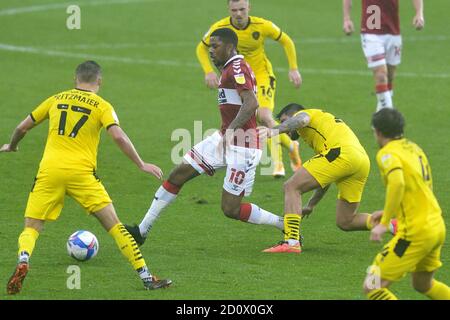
[
  {"x": 340, "y": 158},
  {"x": 68, "y": 166},
  {"x": 252, "y": 32},
  {"x": 417, "y": 246}
]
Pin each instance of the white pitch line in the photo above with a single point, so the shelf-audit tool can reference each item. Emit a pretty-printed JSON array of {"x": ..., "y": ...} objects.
[
  {"x": 194, "y": 43},
  {"x": 54, "y": 6},
  {"x": 178, "y": 63}
]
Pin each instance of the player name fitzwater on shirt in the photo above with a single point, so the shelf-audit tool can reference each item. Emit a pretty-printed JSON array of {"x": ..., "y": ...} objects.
[{"x": 184, "y": 310}]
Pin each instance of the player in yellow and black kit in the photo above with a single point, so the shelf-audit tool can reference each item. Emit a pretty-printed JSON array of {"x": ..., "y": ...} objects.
[
  {"x": 340, "y": 158},
  {"x": 252, "y": 33},
  {"x": 68, "y": 166},
  {"x": 417, "y": 245}
]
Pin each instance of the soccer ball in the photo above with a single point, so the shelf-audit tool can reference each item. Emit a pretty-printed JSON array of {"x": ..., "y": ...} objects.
[{"x": 82, "y": 245}]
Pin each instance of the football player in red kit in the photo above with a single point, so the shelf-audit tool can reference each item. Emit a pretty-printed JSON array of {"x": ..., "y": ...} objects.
[
  {"x": 381, "y": 41},
  {"x": 235, "y": 147}
]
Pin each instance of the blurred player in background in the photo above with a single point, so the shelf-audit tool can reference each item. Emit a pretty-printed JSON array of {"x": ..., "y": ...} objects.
[
  {"x": 417, "y": 246},
  {"x": 340, "y": 158},
  {"x": 236, "y": 147},
  {"x": 68, "y": 166},
  {"x": 252, "y": 32},
  {"x": 381, "y": 41}
]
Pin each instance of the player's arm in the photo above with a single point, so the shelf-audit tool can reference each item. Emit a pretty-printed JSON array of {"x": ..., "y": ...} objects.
[
  {"x": 126, "y": 146},
  {"x": 248, "y": 109},
  {"x": 291, "y": 54},
  {"x": 211, "y": 79},
  {"x": 395, "y": 189},
  {"x": 315, "y": 199},
  {"x": 348, "y": 23},
  {"x": 300, "y": 120},
  {"x": 418, "y": 20},
  {"x": 19, "y": 133}
]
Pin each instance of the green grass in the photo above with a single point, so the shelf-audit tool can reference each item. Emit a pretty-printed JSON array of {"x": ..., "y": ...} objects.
[{"x": 207, "y": 255}]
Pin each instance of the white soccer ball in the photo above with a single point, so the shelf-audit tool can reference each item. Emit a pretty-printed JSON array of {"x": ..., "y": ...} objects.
[{"x": 82, "y": 245}]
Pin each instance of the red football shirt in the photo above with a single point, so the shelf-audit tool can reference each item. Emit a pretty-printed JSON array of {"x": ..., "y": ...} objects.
[
  {"x": 236, "y": 77},
  {"x": 380, "y": 17}
]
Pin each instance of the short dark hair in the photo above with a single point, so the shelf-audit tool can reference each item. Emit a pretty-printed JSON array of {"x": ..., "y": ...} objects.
[
  {"x": 88, "y": 72},
  {"x": 290, "y": 110},
  {"x": 226, "y": 35},
  {"x": 390, "y": 122}
]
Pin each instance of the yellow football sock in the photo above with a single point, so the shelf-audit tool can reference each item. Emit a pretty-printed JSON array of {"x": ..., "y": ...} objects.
[
  {"x": 438, "y": 291},
  {"x": 275, "y": 149},
  {"x": 285, "y": 141},
  {"x": 27, "y": 240},
  {"x": 369, "y": 224},
  {"x": 381, "y": 294},
  {"x": 127, "y": 246},
  {"x": 292, "y": 226}
]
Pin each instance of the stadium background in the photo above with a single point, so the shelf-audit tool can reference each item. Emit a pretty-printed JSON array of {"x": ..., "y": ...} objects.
[{"x": 151, "y": 76}]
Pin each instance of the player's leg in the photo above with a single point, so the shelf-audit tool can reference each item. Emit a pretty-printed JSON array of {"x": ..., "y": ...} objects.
[
  {"x": 273, "y": 144},
  {"x": 27, "y": 242},
  {"x": 425, "y": 283},
  {"x": 164, "y": 196},
  {"x": 375, "y": 52},
  {"x": 238, "y": 182},
  {"x": 377, "y": 289},
  {"x": 45, "y": 202},
  {"x": 204, "y": 157},
  {"x": 423, "y": 278},
  {"x": 391, "y": 76},
  {"x": 348, "y": 218},
  {"x": 351, "y": 188},
  {"x": 393, "y": 59},
  {"x": 233, "y": 208},
  {"x": 384, "y": 98},
  {"x": 128, "y": 247},
  {"x": 301, "y": 182}
]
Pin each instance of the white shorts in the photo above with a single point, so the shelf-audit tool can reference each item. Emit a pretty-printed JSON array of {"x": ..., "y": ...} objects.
[
  {"x": 381, "y": 49},
  {"x": 207, "y": 156}
]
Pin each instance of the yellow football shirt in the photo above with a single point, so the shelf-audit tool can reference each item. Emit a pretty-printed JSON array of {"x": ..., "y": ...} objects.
[
  {"x": 325, "y": 131},
  {"x": 76, "y": 118},
  {"x": 251, "y": 40},
  {"x": 419, "y": 211}
]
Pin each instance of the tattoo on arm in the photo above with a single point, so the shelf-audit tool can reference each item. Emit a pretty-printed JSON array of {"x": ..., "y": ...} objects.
[{"x": 299, "y": 121}]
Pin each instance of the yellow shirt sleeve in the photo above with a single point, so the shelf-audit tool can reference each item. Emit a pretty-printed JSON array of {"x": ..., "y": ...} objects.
[
  {"x": 202, "y": 51},
  {"x": 41, "y": 112},
  {"x": 272, "y": 31},
  {"x": 109, "y": 117},
  {"x": 391, "y": 169}
]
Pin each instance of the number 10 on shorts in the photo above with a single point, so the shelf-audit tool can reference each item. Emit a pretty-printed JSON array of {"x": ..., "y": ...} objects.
[{"x": 237, "y": 177}]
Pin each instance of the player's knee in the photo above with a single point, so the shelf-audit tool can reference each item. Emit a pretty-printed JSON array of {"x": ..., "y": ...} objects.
[
  {"x": 344, "y": 225},
  {"x": 421, "y": 286},
  {"x": 230, "y": 210}
]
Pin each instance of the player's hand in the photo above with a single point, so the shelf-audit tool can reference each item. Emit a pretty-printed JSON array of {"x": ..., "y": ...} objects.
[
  {"x": 376, "y": 216},
  {"x": 306, "y": 211},
  {"x": 211, "y": 80},
  {"x": 418, "y": 22},
  {"x": 377, "y": 232},
  {"x": 348, "y": 27},
  {"x": 152, "y": 169},
  {"x": 295, "y": 77},
  {"x": 7, "y": 148}
]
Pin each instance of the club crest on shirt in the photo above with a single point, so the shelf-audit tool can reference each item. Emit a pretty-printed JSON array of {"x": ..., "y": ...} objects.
[
  {"x": 240, "y": 78},
  {"x": 256, "y": 35},
  {"x": 386, "y": 160}
]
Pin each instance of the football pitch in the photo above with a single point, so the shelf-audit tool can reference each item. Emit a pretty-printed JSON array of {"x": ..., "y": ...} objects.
[{"x": 152, "y": 78}]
